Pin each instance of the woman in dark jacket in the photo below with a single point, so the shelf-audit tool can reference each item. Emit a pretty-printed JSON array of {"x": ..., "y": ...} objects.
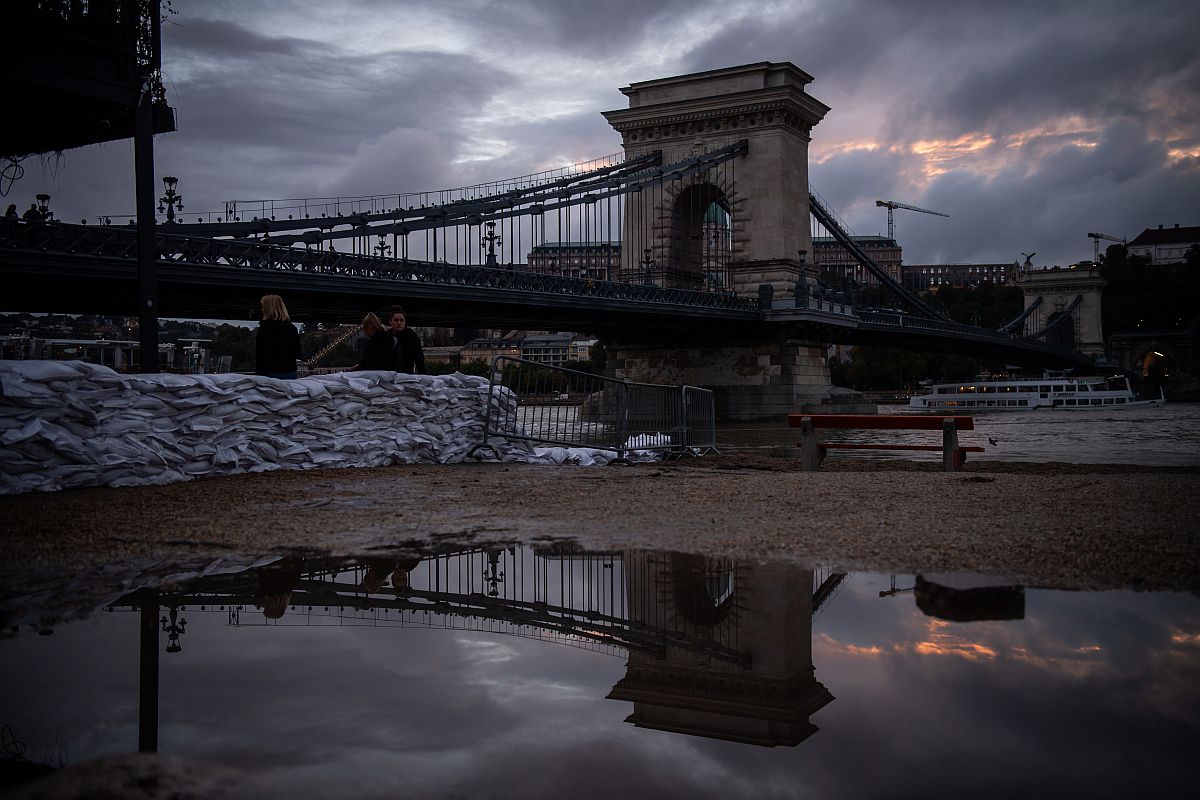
[
  {"x": 381, "y": 350},
  {"x": 277, "y": 343}
]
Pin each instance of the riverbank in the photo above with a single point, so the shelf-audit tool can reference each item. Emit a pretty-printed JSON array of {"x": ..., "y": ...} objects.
[{"x": 1067, "y": 526}]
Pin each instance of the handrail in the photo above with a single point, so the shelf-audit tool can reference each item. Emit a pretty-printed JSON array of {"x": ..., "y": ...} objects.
[{"x": 121, "y": 243}]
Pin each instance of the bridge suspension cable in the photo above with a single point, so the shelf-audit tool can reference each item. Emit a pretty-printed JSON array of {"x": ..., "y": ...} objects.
[
  {"x": 1016, "y": 321},
  {"x": 839, "y": 232},
  {"x": 1058, "y": 320}
]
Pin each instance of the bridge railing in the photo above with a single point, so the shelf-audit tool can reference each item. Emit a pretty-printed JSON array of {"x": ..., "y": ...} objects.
[
  {"x": 897, "y": 320},
  {"x": 118, "y": 242},
  {"x": 538, "y": 403}
]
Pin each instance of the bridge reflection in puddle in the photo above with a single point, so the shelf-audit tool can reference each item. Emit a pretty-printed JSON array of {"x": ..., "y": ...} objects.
[{"x": 434, "y": 675}]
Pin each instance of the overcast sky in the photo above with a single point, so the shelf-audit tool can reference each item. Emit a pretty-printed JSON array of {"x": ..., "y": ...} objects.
[{"x": 1030, "y": 123}]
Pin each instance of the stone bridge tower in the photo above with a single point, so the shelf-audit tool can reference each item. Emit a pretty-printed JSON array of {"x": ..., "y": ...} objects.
[
  {"x": 765, "y": 195},
  {"x": 1058, "y": 288}
]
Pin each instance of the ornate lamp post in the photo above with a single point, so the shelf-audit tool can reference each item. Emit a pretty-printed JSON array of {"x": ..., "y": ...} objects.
[
  {"x": 493, "y": 574},
  {"x": 647, "y": 267},
  {"x": 171, "y": 200},
  {"x": 43, "y": 207},
  {"x": 489, "y": 244},
  {"x": 174, "y": 628},
  {"x": 382, "y": 248}
]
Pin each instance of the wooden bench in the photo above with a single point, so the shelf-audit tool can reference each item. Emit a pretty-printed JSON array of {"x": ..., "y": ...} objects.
[{"x": 812, "y": 451}]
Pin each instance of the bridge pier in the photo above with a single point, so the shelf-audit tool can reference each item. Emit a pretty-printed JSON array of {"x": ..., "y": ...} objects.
[{"x": 749, "y": 381}]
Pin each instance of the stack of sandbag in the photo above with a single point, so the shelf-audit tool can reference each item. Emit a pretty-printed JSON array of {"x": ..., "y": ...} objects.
[{"x": 67, "y": 423}]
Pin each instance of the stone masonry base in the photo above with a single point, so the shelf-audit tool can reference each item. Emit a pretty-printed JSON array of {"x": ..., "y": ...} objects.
[{"x": 750, "y": 382}]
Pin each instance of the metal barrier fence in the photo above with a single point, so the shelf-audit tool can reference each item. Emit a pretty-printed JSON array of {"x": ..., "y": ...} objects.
[{"x": 533, "y": 402}]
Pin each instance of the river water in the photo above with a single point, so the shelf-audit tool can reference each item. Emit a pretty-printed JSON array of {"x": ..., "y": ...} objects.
[{"x": 1165, "y": 435}]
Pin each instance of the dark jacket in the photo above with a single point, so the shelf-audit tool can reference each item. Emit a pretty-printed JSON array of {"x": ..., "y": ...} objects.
[
  {"x": 411, "y": 357},
  {"x": 381, "y": 352},
  {"x": 276, "y": 347}
]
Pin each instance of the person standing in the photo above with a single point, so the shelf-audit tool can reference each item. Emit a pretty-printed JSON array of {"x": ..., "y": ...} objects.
[
  {"x": 277, "y": 342},
  {"x": 410, "y": 356},
  {"x": 381, "y": 349}
]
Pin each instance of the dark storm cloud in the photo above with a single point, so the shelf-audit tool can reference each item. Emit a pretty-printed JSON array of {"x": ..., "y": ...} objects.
[
  {"x": 990, "y": 110},
  {"x": 262, "y": 116},
  {"x": 596, "y": 28},
  {"x": 1036, "y": 123},
  {"x": 307, "y": 112}
]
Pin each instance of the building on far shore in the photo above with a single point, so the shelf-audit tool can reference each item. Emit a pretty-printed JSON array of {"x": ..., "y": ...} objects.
[
  {"x": 443, "y": 354},
  {"x": 581, "y": 348},
  {"x": 487, "y": 349},
  {"x": 1165, "y": 245},
  {"x": 552, "y": 349},
  {"x": 599, "y": 261},
  {"x": 121, "y": 355},
  {"x": 931, "y": 277},
  {"x": 835, "y": 261}
]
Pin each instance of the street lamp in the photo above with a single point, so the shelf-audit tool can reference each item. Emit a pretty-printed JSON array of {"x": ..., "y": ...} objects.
[
  {"x": 647, "y": 267},
  {"x": 171, "y": 199},
  {"x": 174, "y": 628},
  {"x": 488, "y": 245},
  {"x": 43, "y": 207}
]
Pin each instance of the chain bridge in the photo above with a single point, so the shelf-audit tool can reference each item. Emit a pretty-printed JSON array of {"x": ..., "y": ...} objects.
[{"x": 688, "y": 253}]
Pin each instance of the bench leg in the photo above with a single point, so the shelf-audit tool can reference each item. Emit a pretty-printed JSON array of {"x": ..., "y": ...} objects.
[
  {"x": 810, "y": 452},
  {"x": 952, "y": 458}
]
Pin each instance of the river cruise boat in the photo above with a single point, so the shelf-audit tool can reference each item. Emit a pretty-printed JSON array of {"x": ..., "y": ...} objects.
[{"x": 1022, "y": 394}]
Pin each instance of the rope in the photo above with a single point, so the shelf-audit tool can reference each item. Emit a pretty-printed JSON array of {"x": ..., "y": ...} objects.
[
  {"x": 14, "y": 748},
  {"x": 10, "y": 173}
]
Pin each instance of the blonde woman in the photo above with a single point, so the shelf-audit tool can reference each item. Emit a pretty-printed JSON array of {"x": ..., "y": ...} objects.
[
  {"x": 380, "y": 352},
  {"x": 277, "y": 343}
]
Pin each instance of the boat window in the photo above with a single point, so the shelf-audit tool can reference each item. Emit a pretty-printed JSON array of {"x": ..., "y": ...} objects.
[
  {"x": 1028, "y": 388},
  {"x": 1108, "y": 401},
  {"x": 1023, "y": 402},
  {"x": 1120, "y": 400},
  {"x": 1096, "y": 401},
  {"x": 1059, "y": 402},
  {"x": 1043, "y": 389},
  {"x": 1069, "y": 401},
  {"x": 1045, "y": 395}
]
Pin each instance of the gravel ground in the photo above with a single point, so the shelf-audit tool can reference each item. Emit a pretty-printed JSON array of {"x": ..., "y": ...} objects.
[{"x": 1060, "y": 525}]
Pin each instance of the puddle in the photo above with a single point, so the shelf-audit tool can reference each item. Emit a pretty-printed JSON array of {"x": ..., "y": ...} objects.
[{"x": 548, "y": 671}]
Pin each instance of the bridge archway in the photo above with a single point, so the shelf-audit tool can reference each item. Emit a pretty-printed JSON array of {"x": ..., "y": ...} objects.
[
  {"x": 1061, "y": 335},
  {"x": 701, "y": 242},
  {"x": 1157, "y": 366}
]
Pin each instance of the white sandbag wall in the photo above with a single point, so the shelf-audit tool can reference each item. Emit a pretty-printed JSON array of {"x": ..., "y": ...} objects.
[{"x": 67, "y": 424}]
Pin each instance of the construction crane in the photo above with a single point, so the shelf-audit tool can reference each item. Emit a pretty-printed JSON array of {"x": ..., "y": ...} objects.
[
  {"x": 1096, "y": 237},
  {"x": 892, "y": 205}
]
